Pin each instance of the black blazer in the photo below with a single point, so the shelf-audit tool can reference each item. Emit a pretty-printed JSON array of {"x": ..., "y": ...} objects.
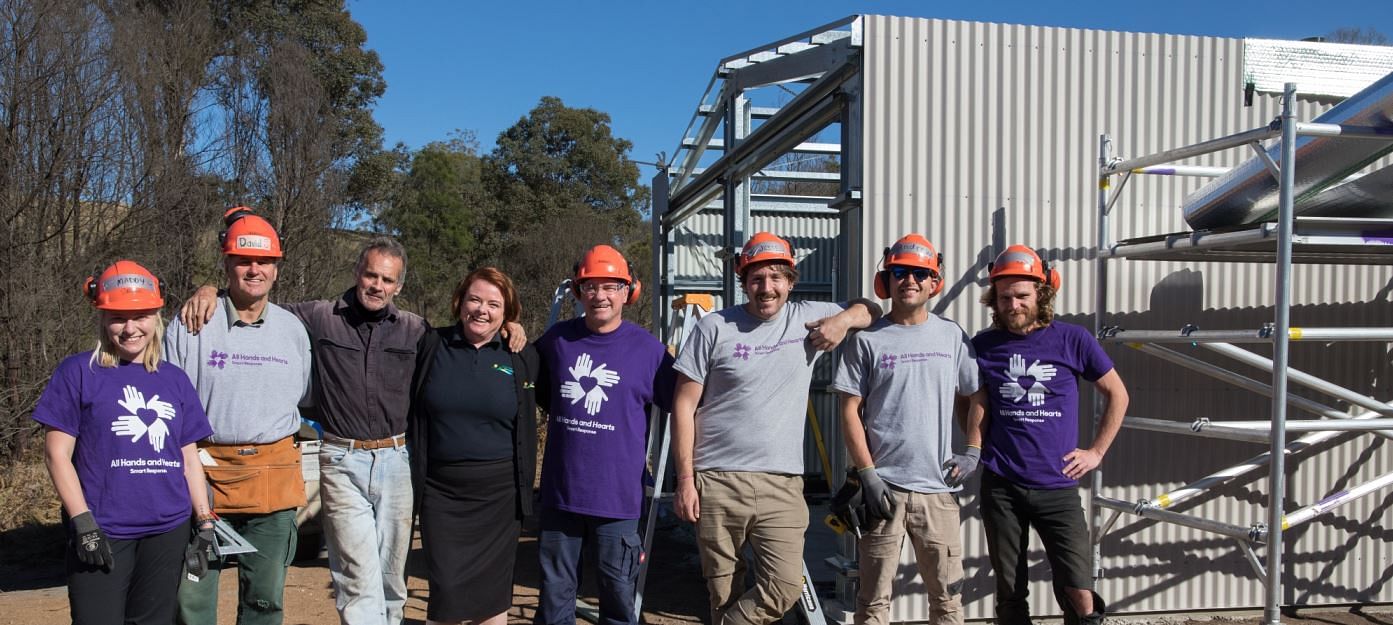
[{"x": 525, "y": 421}]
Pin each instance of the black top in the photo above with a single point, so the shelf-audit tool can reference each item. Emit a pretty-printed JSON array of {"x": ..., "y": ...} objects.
[
  {"x": 524, "y": 378},
  {"x": 469, "y": 401}
]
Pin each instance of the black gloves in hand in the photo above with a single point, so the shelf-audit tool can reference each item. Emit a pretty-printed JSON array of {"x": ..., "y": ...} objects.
[
  {"x": 91, "y": 544},
  {"x": 879, "y": 502},
  {"x": 965, "y": 463},
  {"x": 199, "y": 553}
]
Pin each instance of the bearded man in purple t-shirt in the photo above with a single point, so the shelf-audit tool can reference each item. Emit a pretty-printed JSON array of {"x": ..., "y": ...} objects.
[
  {"x": 1030, "y": 366},
  {"x": 599, "y": 375}
]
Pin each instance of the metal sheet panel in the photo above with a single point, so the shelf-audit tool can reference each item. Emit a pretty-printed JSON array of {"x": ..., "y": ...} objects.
[
  {"x": 979, "y": 135},
  {"x": 1271, "y": 63},
  {"x": 1248, "y": 193}
]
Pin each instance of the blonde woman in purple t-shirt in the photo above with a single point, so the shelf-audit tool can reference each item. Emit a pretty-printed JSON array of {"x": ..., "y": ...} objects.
[{"x": 120, "y": 429}]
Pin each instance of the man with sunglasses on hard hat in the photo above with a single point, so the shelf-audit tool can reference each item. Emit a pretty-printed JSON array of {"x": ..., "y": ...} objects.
[
  {"x": 251, "y": 367},
  {"x": 737, "y": 422},
  {"x": 599, "y": 375},
  {"x": 1031, "y": 365},
  {"x": 899, "y": 382}
]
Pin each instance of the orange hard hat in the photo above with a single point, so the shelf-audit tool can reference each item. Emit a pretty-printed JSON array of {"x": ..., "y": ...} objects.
[
  {"x": 125, "y": 285},
  {"x": 762, "y": 247},
  {"x": 248, "y": 234},
  {"x": 912, "y": 250},
  {"x": 603, "y": 261},
  {"x": 1021, "y": 260}
]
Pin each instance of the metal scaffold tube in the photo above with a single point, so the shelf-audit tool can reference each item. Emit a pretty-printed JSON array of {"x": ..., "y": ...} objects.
[
  {"x": 1151, "y": 512},
  {"x": 1239, "y": 380},
  {"x": 1259, "y": 335},
  {"x": 1100, "y": 305},
  {"x": 1280, "y": 348},
  {"x": 1336, "y": 500},
  {"x": 1192, "y": 429},
  {"x": 1300, "y": 377},
  {"x": 1302, "y": 425},
  {"x": 1198, "y": 149}
]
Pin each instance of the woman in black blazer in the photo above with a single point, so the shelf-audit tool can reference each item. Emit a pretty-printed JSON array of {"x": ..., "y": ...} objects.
[{"x": 473, "y": 434}]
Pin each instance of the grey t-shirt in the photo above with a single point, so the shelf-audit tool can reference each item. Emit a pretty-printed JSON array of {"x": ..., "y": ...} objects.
[
  {"x": 250, "y": 377},
  {"x": 756, "y": 375},
  {"x": 908, "y": 377}
]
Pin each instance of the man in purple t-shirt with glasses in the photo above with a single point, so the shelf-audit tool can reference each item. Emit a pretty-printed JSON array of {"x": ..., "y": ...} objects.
[
  {"x": 599, "y": 375},
  {"x": 1030, "y": 366}
]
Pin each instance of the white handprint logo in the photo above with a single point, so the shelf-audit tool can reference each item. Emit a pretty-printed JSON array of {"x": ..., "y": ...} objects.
[
  {"x": 1040, "y": 373},
  {"x": 596, "y": 396},
  {"x": 134, "y": 426}
]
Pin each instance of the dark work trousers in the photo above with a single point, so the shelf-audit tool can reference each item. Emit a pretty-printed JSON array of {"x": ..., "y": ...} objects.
[
  {"x": 618, "y": 550},
  {"x": 141, "y": 587},
  {"x": 1008, "y": 512}
]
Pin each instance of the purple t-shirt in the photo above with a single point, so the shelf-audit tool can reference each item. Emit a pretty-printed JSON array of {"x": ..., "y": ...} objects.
[
  {"x": 1033, "y": 390},
  {"x": 596, "y": 389},
  {"x": 130, "y": 426}
]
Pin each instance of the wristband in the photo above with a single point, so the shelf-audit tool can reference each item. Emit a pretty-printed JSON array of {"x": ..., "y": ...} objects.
[
  {"x": 974, "y": 446},
  {"x": 685, "y": 477}
]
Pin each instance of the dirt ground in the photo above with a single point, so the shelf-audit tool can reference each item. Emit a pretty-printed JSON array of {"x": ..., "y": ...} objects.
[{"x": 32, "y": 591}]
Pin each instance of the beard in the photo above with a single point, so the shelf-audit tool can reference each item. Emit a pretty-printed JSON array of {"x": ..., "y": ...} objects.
[{"x": 1019, "y": 320}]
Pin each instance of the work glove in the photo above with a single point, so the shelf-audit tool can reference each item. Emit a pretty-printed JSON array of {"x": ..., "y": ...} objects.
[
  {"x": 965, "y": 463},
  {"x": 879, "y": 502},
  {"x": 92, "y": 546},
  {"x": 199, "y": 553}
]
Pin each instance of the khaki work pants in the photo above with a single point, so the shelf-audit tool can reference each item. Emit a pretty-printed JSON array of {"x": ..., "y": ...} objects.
[
  {"x": 933, "y": 524},
  {"x": 768, "y": 512}
]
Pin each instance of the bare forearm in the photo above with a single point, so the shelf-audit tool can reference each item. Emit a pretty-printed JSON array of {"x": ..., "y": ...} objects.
[
  {"x": 684, "y": 404},
  {"x": 975, "y": 418},
  {"x": 854, "y": 433},
  {"x": 860, "y": 313},
  {"x": 198, "y": 484},
  {"x": 1115, "y": 399},
  {"x": 58, "y": 456}
]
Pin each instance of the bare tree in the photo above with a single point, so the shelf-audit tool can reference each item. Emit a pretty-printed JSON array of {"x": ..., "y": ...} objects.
[{"x": 1355, "y": 34}]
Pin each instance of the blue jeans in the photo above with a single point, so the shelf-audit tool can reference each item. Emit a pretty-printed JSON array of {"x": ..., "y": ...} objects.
[
  {"x": 619, "y": 551},
  {"x": 366, "y": 499}
]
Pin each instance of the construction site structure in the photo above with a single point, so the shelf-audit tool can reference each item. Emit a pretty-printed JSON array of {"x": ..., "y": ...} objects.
[{"x": 978, "y": 135}]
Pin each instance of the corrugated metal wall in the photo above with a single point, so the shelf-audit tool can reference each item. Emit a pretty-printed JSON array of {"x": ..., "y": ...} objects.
[{"x": 982, "y": 134}]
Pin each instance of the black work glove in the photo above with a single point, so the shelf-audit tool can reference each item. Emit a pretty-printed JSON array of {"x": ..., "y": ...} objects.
[
  {"x": 199, "y": 553},
  {"x": 880, "y": 503},
  {"x": 965, "y": 463},
  {"x": 91, "y": 544}
]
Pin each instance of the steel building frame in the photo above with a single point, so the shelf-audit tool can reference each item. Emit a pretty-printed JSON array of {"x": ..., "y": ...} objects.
[
  {"x": 827, "y": 62},
  {"x": 1290, "y": 240}
]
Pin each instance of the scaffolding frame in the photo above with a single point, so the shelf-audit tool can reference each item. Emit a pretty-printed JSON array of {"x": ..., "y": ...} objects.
[{"x": 1328, "y": 240}]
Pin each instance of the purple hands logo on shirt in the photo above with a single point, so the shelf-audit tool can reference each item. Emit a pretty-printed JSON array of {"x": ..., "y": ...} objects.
[
  {"x": 138, "y": 409},
  {"x": 887, "y": 361},
  {"x": 217, "y": 359},
  {"x": 1027, "y": 382},
  {"x": 589, "y": 382},
  {"x": 742, "y": 351}
]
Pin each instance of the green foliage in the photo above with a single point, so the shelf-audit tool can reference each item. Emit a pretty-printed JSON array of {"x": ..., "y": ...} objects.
[{"x": 436, "y": 214}]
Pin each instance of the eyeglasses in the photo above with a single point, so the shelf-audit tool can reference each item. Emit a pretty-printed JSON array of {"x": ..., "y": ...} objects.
[
  {"x": 919, "y": 273},
  {"x": 607, "y": 288}
]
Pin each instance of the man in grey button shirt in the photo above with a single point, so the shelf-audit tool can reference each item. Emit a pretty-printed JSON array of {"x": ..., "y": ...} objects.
[
  {"x": 737, "y": 423},
  {"x": 900, "y": 380}
]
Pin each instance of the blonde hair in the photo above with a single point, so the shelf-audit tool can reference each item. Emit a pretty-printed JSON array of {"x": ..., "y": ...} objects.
[{"x": 105, "y": 354}]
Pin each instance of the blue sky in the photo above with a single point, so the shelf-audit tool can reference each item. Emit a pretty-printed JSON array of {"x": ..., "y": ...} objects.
[{"x": 482, "y": 65}]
